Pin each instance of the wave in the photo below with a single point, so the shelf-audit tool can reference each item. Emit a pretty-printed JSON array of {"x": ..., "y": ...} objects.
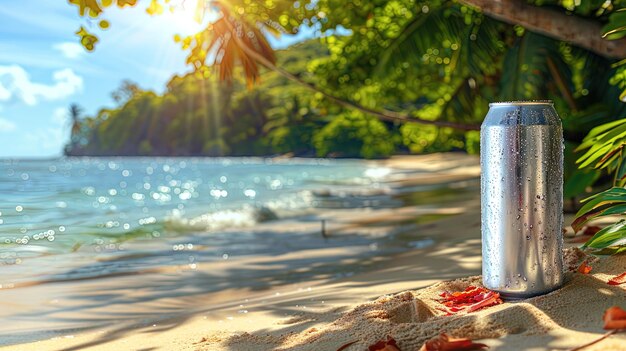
[{"x": 245, "y": 216}]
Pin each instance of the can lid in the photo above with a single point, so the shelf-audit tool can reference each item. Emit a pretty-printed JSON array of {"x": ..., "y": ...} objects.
[{"x": 521, "y": 103}]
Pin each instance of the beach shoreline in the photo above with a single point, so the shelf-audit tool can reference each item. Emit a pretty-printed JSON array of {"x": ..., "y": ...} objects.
[{"x": 326, "y": 311}]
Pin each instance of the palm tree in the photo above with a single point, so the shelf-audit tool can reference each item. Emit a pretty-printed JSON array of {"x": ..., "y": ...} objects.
[{"x": 75, "y": 112}]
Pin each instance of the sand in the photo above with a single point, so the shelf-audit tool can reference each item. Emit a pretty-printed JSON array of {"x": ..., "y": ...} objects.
[
  {"x": 396, "y": 296},
  {"x": 563, "y": 319},
  {"x": 566, "y": 318}
]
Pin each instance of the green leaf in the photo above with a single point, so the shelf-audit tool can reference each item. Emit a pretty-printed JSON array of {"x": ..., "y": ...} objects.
[
  {"x": 612, "y": 210},
  {"x": 616, "y": 28},
  {"x": 602, "y": 129},
  {"x": 104, "y": 24},
  {"x": 593, "y": 154},
  {"x": 610, "y": 196},
  {"x": 604, "y": 144},
  {"x": 608, "y": 236},
  {"x": 621, "y": 173},
  {"x": 614, "y": 250}
]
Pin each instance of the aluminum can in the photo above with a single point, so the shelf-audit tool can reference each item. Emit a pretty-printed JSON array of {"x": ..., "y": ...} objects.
[{"x": 521, "y": 156}]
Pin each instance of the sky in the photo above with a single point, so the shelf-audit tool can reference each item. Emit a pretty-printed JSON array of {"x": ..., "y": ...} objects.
[{"x": 43, "y": 68}]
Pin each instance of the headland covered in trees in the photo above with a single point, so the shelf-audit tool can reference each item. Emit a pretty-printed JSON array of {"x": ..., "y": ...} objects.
[{"x": 199, "y": 115}]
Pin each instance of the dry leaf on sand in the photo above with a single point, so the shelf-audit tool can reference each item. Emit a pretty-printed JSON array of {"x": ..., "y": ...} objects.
[
  {"x": 618, "y": 279},
  {"x": 584, "y": 268},
  {"x": 614, "y": 318},
  {"x": 471, "y": 299}
]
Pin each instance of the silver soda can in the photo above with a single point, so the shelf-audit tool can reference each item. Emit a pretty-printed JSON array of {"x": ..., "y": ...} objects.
[{"x": 521, "y": 155}]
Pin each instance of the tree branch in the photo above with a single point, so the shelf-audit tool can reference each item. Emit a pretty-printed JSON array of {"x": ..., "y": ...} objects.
[
  {"x": 380, "y": 114},
  {"x": 576, "y": 30}
]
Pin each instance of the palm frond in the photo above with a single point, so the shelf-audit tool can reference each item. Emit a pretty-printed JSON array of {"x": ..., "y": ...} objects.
[
  {"x": 481, "y": 47},
  {"x": 525, "y": 68},
  {"x": 221, "y": 43},
  {"x": 423, "y": 32},
  {"x": 466, "y": 103},
  {"x": 477, "y": 44}
]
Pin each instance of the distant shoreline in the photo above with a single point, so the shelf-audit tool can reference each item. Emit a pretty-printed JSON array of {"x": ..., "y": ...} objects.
[{"x": 269, "y": 156}]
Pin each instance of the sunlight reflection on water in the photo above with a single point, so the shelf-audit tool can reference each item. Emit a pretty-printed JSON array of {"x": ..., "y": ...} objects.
[{"x": 57, "y": 207}]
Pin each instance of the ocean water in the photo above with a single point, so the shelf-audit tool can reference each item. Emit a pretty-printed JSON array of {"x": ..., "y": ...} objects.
[{"x": 55, "y": 213}]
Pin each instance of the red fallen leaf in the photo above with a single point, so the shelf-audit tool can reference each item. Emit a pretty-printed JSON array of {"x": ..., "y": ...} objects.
[
  {"x": 444, "y": 343},
  {"x": 618, "y": 279},
  {"x": 492, "y": 298},
  {"x": 385, "y": 345},
  {"x": 614, "y": 318},
  {"x": 470, "y": 300},
  {"x": 584, "y": 268},
  {"x": 467, "y": 293}
]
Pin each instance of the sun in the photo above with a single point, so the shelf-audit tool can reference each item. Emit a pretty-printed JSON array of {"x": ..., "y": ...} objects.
[{"x": 185, "y": 17}]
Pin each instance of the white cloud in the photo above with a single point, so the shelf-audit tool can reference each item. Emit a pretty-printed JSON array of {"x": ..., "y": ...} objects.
[
  {"x": 6, "y": 125},
  {"x": 70, "y": 50},
  {"x": 15, "y": 84}
]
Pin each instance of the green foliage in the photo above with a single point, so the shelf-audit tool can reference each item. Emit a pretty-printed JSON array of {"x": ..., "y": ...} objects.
[
  {"x": 201, "y": 115},
  {"x": 619, "y": 79},
  {"x": 595, "y": 206},
  {"x": 353, "y": 134},
  {"x": 604, "y": 145},
  {"x": 472, "y": 142},
  {"x": 613, "y": 235},
  {"x": 425, "y": 139},
  {"x": 528, "y": 62},
  {"x": 616, "y": 27}
]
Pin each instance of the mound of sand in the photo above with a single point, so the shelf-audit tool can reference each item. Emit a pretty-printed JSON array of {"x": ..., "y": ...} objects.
[{"x": 565, "y": 318}]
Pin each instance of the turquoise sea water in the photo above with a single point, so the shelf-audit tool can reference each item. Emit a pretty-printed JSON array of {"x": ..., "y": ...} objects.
[{"x": 55, "y": 210}]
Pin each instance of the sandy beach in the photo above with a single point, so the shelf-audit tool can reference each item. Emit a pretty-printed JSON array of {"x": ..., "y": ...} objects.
[{"x": 395, "y": 294}]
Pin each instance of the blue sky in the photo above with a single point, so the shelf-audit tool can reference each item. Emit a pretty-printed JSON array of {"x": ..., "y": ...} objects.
[{"x": 43, "y": 69}]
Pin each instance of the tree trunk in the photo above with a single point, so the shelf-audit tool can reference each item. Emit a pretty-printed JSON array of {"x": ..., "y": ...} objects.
[{"x": 576, "y": 30}]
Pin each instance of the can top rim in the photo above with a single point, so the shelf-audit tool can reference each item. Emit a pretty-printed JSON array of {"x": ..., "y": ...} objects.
[{"x": 522, "y": 103}]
